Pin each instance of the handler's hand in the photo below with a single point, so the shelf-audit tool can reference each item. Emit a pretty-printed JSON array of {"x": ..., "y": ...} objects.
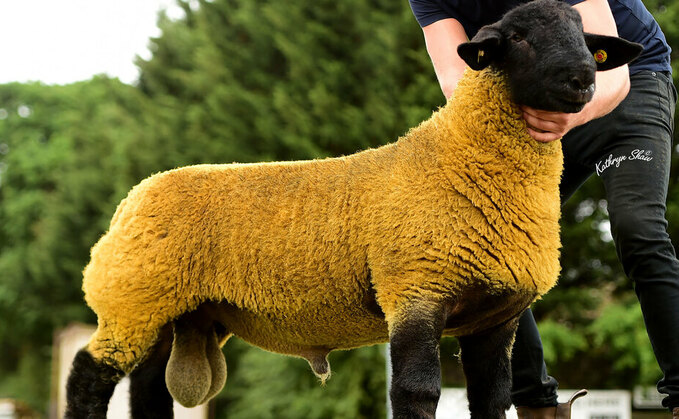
[{"x": 545, "y": 126}]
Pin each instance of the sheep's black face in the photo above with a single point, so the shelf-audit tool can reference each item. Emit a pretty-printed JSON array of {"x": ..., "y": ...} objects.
[{"x": 548, "y": 59}]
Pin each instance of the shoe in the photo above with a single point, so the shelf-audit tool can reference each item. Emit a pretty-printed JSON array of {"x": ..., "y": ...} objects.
[
  {"x": 560, "y": 411},
  {"x": 675, "y": 413}
]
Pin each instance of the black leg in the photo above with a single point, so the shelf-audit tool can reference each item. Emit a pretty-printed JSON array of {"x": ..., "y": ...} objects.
[
  {"x": 149, "y": 397},
  {"x": 416, "y": 378},
  {"x": 486, "y": 364},
  {"x": 89, "y": 387}
]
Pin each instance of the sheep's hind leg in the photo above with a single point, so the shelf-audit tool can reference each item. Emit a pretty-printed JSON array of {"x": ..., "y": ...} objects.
[
  {"x": 90, "y": 387},
  {"x": 149, "y": 397},
  {"x": 116, "y": 347},
  {"x": 486, "y": 364},
  {"x": 416, "y": 379}
]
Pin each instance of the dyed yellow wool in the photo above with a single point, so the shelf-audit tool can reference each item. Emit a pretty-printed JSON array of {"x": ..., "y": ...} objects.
[{"x": 464, "y": 203}]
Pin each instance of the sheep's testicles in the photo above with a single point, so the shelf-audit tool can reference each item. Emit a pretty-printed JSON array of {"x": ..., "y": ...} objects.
[{"x": 196, "y": 371}]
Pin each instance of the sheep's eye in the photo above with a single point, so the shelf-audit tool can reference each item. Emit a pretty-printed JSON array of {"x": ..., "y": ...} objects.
[{"x": 515, "y": 37}]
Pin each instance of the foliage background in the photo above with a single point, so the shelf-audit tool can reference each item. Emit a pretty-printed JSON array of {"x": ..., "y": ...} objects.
[{"x": 254, "y": 80}]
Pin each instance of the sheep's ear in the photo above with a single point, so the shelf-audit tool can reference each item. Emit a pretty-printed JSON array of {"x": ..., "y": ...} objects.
[
  {"x": 611, "y": 51},
  {"x": 482, "y": 49}
]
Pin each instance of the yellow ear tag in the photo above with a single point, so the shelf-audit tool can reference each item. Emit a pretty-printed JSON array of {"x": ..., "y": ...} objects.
[
  {"x": 600, "y": 56},
  {"x": 481, "y": 54}
]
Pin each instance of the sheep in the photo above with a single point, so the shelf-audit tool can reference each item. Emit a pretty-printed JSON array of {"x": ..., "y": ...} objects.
[{"x": 450, "y": 231}]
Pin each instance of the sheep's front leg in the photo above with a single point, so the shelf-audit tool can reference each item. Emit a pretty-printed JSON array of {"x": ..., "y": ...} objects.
[
  {"x": 416, "y": 368},
  {"x": 486, "y": 364}
]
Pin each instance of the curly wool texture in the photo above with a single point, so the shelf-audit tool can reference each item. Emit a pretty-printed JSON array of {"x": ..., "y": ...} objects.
[{"x": 297, "y": 251}]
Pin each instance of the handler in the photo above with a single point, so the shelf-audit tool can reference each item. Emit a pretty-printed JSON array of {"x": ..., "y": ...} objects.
[{"x": 624, "y": 136}]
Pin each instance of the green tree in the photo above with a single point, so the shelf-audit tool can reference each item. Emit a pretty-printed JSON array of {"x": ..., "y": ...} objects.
[
  {"x": 249, "y": 87},
  {"x": 69, "y": 154}
]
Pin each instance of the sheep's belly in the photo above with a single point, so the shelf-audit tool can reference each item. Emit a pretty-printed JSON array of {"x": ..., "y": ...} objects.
[
  {"x": 312, "y": 332},
  {"x": 477, "y": 310},
  {"x": 306, "y": 332}
]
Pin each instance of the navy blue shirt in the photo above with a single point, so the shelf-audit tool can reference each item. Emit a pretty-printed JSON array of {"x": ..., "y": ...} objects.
[{"x": 635, "y": 23}]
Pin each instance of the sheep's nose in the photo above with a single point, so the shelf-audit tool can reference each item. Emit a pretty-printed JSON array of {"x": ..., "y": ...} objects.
[
  {"x": 579, "y": 83},
  {"x": 581, "y": 78}
]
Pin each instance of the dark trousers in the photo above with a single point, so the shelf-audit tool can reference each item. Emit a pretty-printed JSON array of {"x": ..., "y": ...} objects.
[{"x": 630, "y": 150}]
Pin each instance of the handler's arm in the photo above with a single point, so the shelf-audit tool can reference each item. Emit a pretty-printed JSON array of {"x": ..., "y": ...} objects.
[
  {"x": 442, "y": 38},
  {"x": 612, "y": 86}
]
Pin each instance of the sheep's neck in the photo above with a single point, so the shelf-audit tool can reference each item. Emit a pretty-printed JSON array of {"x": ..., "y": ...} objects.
[
  {"x": 480, "y": 138},
  {"x": 481, "y": 120},
  {"x": 481, "y": 109}
]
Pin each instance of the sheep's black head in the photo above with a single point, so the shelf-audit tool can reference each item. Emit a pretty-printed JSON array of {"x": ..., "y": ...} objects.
[{"x": 550, "y": 63}]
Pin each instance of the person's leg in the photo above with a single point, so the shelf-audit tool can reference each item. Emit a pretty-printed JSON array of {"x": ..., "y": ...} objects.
[
  {"x": 531, "y": 386},
  {"x": 644, "y": 120},
  {"x": 636, "y": 190}
]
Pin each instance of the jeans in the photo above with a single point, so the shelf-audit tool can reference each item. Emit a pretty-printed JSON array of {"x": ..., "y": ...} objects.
[{"x": 630, "y": 150}]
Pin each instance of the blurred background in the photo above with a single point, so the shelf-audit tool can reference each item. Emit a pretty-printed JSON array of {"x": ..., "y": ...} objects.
[{"x": 247, "y": 80}]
